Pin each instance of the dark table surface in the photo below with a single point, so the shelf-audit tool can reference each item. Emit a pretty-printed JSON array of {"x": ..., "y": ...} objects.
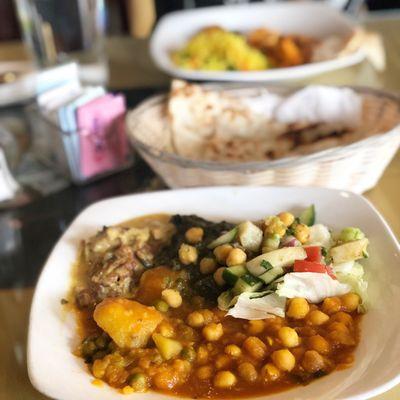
[{"x": 28, "y": 233}]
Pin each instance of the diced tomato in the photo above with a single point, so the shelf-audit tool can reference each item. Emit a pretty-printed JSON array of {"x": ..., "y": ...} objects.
[
  {"x": 310, "y": 266},
  {"x": 313, "y": 253}
]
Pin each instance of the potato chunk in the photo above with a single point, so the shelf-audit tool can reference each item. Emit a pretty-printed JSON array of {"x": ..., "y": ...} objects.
[
  {"x": 167, "y": 347},
  {"x": 129, "y": 323}
]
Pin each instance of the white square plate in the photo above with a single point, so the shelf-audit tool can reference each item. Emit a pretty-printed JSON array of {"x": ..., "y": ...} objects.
[
  {"x": 305, "y": 18},
  {"x": 55, "y": 371}
]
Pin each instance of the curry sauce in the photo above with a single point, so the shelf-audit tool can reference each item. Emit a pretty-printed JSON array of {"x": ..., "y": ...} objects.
[{"x": 192, "y": 348}]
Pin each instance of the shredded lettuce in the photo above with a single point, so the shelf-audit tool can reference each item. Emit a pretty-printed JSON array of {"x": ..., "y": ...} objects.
[
  {"x": 251, "y": 308},
  {"x": 313, "y": 286},
  {"x": 343, "y": 268}
]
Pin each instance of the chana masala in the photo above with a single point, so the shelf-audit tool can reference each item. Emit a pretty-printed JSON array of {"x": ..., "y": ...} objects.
[{"x": 199, "y": 309}]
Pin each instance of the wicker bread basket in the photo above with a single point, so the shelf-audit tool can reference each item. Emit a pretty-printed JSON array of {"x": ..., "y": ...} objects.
[{"x": 356, "y": 167}]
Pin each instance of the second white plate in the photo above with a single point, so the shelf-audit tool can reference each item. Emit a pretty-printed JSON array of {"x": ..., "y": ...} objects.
[{"x": 311, "y": 19}]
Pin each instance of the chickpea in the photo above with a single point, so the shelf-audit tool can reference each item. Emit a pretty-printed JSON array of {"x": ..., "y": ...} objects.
[
  {"x": 207, "y": 265},
  {"x": 331, "y": 305},
  {"x": 283, "y": 359},
  {"x": 233, "y": 350},
  {"x": 187, "y": 254},
  {"x": 312, "y": 361},
  {"x": 317, "y": 318},
  {"x": 208, "y": 315},
  {"x": 202, "y": 355},
  {"x": 166, "y": 329},
  {"x": 318, "y": 343},
  {"x": 172, "y": 297},
  {"x": 288, "y": 337},
  {"x": 350, "y": 302},
  {"x": 225, "y": 379},
  {"x": 181, "y": 365},
  {"x": 223, "y": 361},
  {"x": 247, "y": 372},
  {"x": 338, "y": 326},
  {"x": 298, "y": 308},
  {"x": 221, "y": 252},
  {"x": 99, "y": 367},
  {"x": 274, "y": 226},
  {"x": 270, "y": 372},
  {"x": 219, "y": 280},
  {"x": 204, "y": 372},
  {"x": 305, "y": 331},
  {"x": 298, "y": 352},
  {"x": 255, "y": 347},
  {"x": 165, "y": 379},
  {"x": 286, "y": 217},
  {"x": 302, "y": 233},
  {"x": 341, "y": 338},
  {"x": 213, "y": 332},
  {"x": 342, "y": 317},
  {"x": 195, "y": 319},
  {"x": 194, "y": 235},
  {"x": 139, "y": 382},
  {"x": 255, "y": 327},
  {"x": 236, "y": 257}
]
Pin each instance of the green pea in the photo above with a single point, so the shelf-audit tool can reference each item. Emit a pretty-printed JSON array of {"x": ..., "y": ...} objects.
[
  {"x": 88, "y": 348},
  {"x": 99, "y": 355},
  {"x": 138, "y": 382},
  {"x": 102, "y": 342},
  {"x": 161, "y": 305},
  {"x": 188, "y": 354}
]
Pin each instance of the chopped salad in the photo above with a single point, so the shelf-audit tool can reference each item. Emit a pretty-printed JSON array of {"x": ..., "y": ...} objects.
[{"x": 299, "y": 258}]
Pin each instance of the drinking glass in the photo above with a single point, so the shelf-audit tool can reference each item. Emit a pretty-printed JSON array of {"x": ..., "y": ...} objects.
[{"x": 62, "y": 31}]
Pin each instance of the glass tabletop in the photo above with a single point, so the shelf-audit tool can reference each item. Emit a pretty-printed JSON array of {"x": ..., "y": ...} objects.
[{"x": 27, "y": 234}]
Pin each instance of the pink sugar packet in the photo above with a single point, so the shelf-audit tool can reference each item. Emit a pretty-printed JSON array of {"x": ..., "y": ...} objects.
[{"x": 102, "y": 139}]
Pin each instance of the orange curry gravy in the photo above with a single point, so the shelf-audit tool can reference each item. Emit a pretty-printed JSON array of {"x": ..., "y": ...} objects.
[{"x": 193, "y": 375}]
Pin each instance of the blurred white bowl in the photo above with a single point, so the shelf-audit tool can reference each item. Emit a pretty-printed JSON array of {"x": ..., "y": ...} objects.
[{"x": 305, "y": 18}]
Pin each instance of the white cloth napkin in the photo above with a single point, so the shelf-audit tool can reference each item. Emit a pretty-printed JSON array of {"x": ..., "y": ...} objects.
[{"x": 313, "y": 104}]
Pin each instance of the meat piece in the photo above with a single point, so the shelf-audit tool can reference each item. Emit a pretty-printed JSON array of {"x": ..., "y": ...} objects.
[
  {"x": 113, "y": 277},
  {"x": 111, "y": 238},
  {"x": 113, "y": 258},
  {"x": 129, "y": 323}
]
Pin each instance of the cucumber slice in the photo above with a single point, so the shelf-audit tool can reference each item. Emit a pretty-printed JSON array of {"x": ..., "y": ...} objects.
[
  {"x": 246, "y": 283},
  {"x": 307, "y": 217},
  {"x": 225, "y": 238},
  {"x": 250, "y": 236},
  {"x": 271, "y": 275},
  {"x": 232, "y": 274},
  {"x": 279, "y": 258},
  {"x": 224, "y": 300}
]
